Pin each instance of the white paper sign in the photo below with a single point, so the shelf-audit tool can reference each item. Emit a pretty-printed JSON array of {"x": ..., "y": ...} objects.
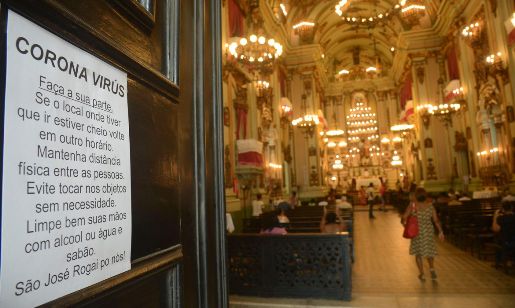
[{"x": 66, "y": 194}]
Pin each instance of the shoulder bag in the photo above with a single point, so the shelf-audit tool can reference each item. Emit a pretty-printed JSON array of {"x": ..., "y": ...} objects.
[{"x": 411, "y": 227}]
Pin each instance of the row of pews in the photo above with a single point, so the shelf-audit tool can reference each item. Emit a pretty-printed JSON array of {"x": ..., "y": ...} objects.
[
  {"x": 303, "y": 219},
  {"x": 303, "y": 263},
  {"x": 469, "y": 226}
]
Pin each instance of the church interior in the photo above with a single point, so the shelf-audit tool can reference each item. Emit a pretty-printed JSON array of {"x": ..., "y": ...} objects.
[{"x": 328, "y": 98}]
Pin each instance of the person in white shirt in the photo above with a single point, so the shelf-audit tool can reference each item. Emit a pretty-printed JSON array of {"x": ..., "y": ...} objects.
[
  {"x": 371, "y": 193},
  {"x": 343, "y": 204},
  {"x": 257, "y": 206}
]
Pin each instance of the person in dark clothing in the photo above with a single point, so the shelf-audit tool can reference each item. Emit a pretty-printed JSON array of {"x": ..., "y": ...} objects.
[
  {"x": 504, "y": 223},
  {"x": 371, "y": 194}
]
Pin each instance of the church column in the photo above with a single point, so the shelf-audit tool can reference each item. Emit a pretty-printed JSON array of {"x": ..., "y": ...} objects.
[
  {"x": 420, "y": 97},
  {"x": 311, "y": 133},
  {"x": 466, "y": 67}
]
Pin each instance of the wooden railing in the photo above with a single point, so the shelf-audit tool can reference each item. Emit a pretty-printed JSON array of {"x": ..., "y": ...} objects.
[{"x": 292, "y": 265}]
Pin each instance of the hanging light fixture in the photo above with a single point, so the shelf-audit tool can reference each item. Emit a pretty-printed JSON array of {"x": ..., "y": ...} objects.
[
  {"x": 361, "y": 122},
  {"x": 473, "y": 33},
  {"x": 396, "y": 160},
  {"x": 368, "y": 21},
  {"x": 262, "y": 87},
  {"x": 305, "y": 30},
  {"x": 256, "y": 52},
  {"x": 308, "y": 119},
  {"x": 413, "y": 11},
  {"x": 402, "y": 127},
  {"x": 337, "y": 165}
]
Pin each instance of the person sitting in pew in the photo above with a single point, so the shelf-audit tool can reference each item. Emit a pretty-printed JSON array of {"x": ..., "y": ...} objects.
[
  {"x": 282, "y": 208},
  {"x": 323, "y": 203},
  {"x": 442, "y": 198},
  {"x": 453, "y": 200},
  {"x": 343, "y": 204},
  {"x": 503, "y": 222},
  {"x": 508, "y": 197},
  {"x": 328, "y": 222},
  {"x": 465, "y": 197},
  {"x": 271, "y": 225}
]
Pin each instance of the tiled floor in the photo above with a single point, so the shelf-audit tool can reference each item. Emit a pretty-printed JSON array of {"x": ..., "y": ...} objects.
[{"x": 384, "y": 275}]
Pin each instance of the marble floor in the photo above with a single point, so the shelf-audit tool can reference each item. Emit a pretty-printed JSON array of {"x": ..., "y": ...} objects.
[{"x": 385, "y": 275}]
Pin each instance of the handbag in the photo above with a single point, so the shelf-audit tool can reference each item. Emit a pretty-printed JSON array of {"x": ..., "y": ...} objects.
[{"x": 411, "y": 227}]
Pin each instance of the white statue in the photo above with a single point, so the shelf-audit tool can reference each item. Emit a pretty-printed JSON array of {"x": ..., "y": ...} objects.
[
  {"x": 270, "y": 137},
  {"x": 490, "y": 111}
]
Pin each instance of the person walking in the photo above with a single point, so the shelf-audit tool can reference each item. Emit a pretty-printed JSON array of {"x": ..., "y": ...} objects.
[
  {"x": 371, "y": 193},
  {"x": 294, "y": 201},
  {"x": 423, "y": 245},
  {"x": 382, "y": 193},
  {"x": 257, "y": 206}
]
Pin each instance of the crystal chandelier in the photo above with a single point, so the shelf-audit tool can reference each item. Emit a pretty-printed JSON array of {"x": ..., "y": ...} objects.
[
  {"x": 256, "y": 52},
  {"x": 412, "y": 11}
]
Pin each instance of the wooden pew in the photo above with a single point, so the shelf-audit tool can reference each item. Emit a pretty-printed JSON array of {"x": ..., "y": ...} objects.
[
  {"x": 468, "y": 226},
  {"x": 292, "y": 265}
]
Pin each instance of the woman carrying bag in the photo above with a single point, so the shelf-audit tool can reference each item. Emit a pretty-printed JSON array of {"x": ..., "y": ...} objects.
[{"x": 423, "y": 244}]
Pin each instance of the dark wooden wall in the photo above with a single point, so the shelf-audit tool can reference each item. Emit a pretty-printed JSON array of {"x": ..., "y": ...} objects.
[{"x": 178, "y": 244}]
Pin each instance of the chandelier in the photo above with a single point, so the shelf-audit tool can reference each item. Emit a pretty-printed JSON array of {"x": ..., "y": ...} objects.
[
  {"x": 305, "y": 30},
  {"x": 354, "y": 73},
  {"x": 256, "y": 52},
  {"x": 412, "y": 11},
  {"x": 334, "y": 132},
  {"x": 396, "y": 159},
  {"x": 361, "y": 121},
  {"x": 473, "y": 32},
  {"x": 454, "y": 92},
  {"x": 262, "y": 87},
  {"x": 442, "y": 111},
  {"x": 403, "y": 129},
  {"x": 368, "y": 21},
  {"x": 308, "y": 120},
  {"x": 340, "y": 144},
  {"x": 337, "y": 164},
  {"x": 358, "y": 72}
]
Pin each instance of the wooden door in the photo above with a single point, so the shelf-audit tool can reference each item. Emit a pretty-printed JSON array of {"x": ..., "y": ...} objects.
[{"x": 171, "y": 54}]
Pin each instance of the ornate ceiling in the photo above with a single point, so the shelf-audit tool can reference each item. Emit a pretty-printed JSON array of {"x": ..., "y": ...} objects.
[{"x": 340, "y": 37}]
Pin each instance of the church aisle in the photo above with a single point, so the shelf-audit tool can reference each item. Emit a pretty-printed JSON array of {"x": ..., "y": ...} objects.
[
  {"x": 383, "y": 263},
  {"x": 385, "y": 275}
]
